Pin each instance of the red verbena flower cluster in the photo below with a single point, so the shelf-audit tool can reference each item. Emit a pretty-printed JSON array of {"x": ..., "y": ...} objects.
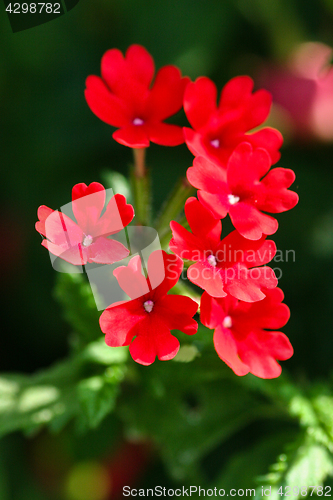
[{"x": 232, "y": 172}]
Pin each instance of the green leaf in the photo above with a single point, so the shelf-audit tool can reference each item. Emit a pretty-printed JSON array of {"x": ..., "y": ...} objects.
[
  {"x": 309, "y": 460},
  {"x": 55, "y": 396},
  {"x": 74, "y": 293},
  {"x": 97, "y": 398},
  {"x": 188, "y": 415},
  {"x": 99, "y": 352}
]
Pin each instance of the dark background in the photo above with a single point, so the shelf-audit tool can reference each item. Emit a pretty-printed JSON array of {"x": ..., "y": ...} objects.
[{"x": 50, "y": 140}]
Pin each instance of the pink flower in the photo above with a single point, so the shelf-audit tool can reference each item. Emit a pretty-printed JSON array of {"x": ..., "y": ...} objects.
[
  {"x": 241, "y": 193},
  {"x": 150, "y": 316},
  {"x": 304, "y": 88},
  {"x": 241, "y": 338},
  {"x": 218, "y": 130},
  {"x": 88, "y": 239},
  {"x": 124, "y": 98},
  {"x": 222, "y": 267}
]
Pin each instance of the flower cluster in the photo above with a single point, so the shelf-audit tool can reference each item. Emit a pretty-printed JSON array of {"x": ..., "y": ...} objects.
[{"x": 233, "y": 175}]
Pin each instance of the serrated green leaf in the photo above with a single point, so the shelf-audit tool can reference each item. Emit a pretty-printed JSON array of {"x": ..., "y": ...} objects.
[
  {"x": 97, "y": 395},
  {"x": 97, "y": 398},
  {"x": 311, "y": 465}
]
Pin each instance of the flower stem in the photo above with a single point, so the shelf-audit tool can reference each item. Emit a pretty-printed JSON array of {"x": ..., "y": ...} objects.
[
  {"x": 139, "y": 161},
  {"x": 141, "y": 188},
  {"x": 173, "y": 206}
]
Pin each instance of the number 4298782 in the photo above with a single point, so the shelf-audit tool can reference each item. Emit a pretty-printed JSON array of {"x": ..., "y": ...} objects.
[{"x": 34, "y": 8}]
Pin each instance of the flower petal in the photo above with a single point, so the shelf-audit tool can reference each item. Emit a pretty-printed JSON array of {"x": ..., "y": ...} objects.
[
  {"x": 118, "y": 323},
  {"x": 268, "y": 313},
  {"x": 201, "y": 221},
  {"x": 237, "y": 94},
  {"x": 208, "y": 278},
  {"x": 177, "y": 312},
  {"x": 185, "y": 244},
  {"x": 128, "y": 77},
  {"x": 131, "y": 279},
  {"x": 165, "y": 134},
  {"x": 76, "y": 255},
  {"x": 133, "y": 136},
  {"x": 60, "y": 229},
  {"x": 250, "y": 222},
  {"x": 118, "y": 214},
  {"x": 43, "y": 212},
  {"x": 106, "y": 251},
  {"x": 214, "y": 310},
  {"x": 163, "y": 272},
  {"x": 227, "y": 349},
  {"x": 88, "y": 203},
  {"x": 267, "y": 138},
  {"x": 108, "y": 107},
  {"x": 274, "y": 195},
  {"x": 166, "y": 96},
  {"x": 249, "y": 285},
  {"x": 246, "y": 166},
  {"x": 200, "y": 101},
  {"x": 207, "y": 176}
]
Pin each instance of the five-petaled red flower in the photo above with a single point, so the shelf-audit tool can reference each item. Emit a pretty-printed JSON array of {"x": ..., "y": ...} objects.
[
  {"x": 222, "y": 267},
  {"x": 241, "y": 337},
  {"x": 218, "y": 130},
  {"x": 240, "y": 192},
  {"x": 151, "y": 314},
  {"x": 124, "y": 98},
  {"x": 88, "y": 239}
]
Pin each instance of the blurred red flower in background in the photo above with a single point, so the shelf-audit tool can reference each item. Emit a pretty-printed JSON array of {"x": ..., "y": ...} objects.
[{"x": 304, "y": 89}]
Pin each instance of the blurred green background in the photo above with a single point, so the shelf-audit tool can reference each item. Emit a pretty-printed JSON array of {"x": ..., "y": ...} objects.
[{"x": 50, "y": 140}]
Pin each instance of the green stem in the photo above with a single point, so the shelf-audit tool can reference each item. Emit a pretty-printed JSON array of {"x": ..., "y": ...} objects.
[
  {"x": 173, "y": 206},
  {"x": 141, "y": 188},
  {"x": 139, "y": 161}
]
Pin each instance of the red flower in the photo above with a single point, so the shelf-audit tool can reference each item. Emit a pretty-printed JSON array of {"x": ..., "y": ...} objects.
[
  {"x": 218, "y": 130},
  {"x": 123, "y": 98},
  {"x": 241, "y": 339},
  {"x": 222, "y": 266},
  {"x": 240, "y": 192},
  {"x": 152, "y": 313},
  {"x": 86, "y": 241},
  {"x": 304, "y": 88}
]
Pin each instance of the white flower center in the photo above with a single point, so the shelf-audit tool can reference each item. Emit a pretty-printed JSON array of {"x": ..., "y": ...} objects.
[
  {"x": 138, "y": 121},
  {"x": 227, "y": 322},
  {"x": 215, "y": 143},
  {"x": 212, "y": 260},
  {"x": 233, "y": 199},
  {"x": 87, "y": 240},
  {"x": 148, "y": 305}
]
